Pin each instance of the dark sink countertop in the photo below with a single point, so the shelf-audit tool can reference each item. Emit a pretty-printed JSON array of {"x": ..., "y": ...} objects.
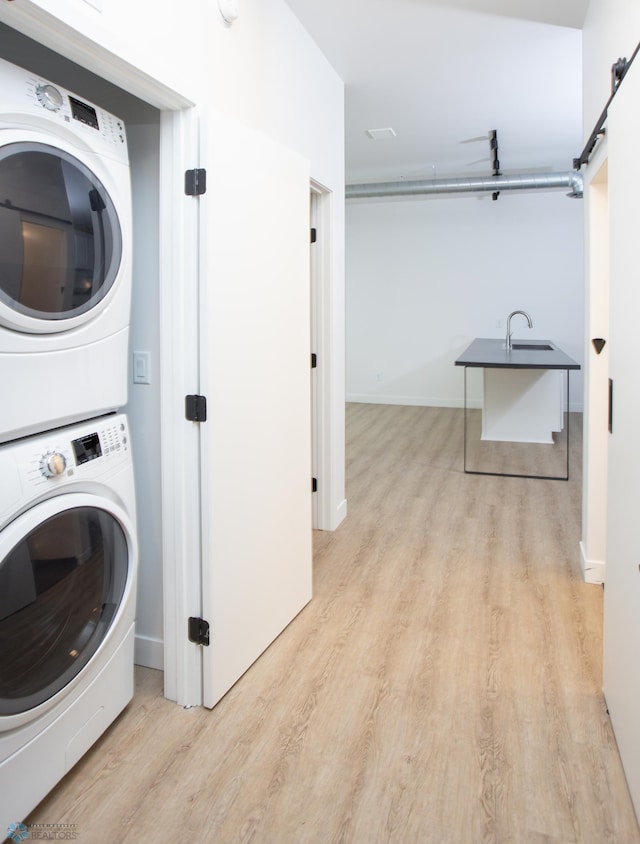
[{"x": 490, "y": 353}]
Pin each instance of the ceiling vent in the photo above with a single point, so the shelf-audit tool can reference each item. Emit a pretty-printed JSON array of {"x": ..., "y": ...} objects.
[{"x": 381, "y": 134}]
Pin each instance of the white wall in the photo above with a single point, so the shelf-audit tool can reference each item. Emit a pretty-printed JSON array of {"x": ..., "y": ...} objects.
[
  {"x": 424, "y": 277},
  {"x": 144, "y": 399}
]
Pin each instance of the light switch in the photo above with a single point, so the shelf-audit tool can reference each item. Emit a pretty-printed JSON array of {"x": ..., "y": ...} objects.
[{"x": 141, "y": 368}]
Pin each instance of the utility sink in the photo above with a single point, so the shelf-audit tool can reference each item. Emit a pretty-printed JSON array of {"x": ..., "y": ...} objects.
[{"x": 537, "y": 347}]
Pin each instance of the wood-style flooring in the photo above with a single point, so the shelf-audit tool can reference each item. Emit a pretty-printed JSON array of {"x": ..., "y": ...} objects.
[{"x": 443, "y": 686}]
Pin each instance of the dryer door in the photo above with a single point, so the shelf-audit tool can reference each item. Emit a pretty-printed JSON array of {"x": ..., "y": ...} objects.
[
  {"x": 65, "y": 572},
  {"x": 60, "y": 239}
]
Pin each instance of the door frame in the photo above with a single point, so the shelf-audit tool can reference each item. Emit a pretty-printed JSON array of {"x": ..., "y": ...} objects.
[
  {"x": 593, "y": 543},
  {"x": 179, "y": 376},
  {"x": 321, "y": 200}
]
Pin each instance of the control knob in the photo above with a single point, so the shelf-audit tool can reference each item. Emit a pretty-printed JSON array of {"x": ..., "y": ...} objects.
[
  {"x": 53, "y": 464},
  {"x": 49, "y": 97}
]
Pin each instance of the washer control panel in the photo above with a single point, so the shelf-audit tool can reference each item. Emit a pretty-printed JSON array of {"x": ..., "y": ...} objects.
[
  {"x": 83, "y": 457},
  {"x": 86, "y": 455},
  {"x": 89, "y": 451}
]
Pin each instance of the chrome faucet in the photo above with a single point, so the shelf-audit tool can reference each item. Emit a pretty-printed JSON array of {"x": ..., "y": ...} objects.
[{"x": 507, "y": 343}]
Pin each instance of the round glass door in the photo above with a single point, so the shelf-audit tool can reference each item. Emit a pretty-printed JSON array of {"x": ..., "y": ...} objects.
[
  {"x": 60, "y": 589},
  {"x": 60, "y": 239}
]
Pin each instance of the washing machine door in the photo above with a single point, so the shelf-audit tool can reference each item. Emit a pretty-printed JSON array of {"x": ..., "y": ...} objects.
[
  {"x": 60, "y": 239},
  {"x": 65, "y": 573}
]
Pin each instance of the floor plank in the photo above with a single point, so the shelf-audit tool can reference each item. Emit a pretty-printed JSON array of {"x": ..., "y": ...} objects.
[{"x": 443, "y": 687}]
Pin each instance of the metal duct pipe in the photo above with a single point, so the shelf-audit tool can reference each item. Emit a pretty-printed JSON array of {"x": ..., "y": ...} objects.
[{"x": 528, "y": 181}]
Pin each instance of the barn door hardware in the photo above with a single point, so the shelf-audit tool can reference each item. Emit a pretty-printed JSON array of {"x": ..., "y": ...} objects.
[
  {"x": 618, "y": 72},
  {"x": 493, "y": 144}
]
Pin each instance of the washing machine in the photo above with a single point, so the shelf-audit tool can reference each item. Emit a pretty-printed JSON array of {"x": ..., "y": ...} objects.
[
  {"x": 68, "y": 564},
  {"x": 65, "y": 256}
]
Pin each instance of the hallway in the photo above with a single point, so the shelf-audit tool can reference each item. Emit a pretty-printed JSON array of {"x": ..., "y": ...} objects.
[{"x": 443, "y": 687}]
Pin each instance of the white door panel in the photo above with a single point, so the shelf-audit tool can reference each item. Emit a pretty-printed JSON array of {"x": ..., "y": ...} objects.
[
  {"x": 622, "y": 587},
  {"x": 256, "y": 463}
]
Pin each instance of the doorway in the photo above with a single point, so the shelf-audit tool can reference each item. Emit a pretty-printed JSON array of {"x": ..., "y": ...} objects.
[
  {"x": 594, "y": 499},
  {"x": 321, "y": 374}
]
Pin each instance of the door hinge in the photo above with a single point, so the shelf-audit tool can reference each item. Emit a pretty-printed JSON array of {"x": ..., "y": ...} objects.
[
  {"x": 195, "y": 182},
  {"x": 314, "y": 235},
  {"x": 195, "y": 408},
  {"x": 198, "y": 631},
  {"x": 314, "y": 484},
  {"x": 314, "y": 360}
]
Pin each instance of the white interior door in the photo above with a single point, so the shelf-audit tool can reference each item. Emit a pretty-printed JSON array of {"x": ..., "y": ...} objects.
[
  {"x": 256, "y": 452},
  {"x": 622, "y": 586}
]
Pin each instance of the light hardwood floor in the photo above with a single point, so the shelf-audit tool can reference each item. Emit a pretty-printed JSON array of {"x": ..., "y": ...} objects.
[{"x": 443, "y": 686}]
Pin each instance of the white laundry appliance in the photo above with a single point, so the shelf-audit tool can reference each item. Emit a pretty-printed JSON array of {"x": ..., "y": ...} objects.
[
  {"x": 68, "y": 568},
  {"x": 65, "y": 256}
]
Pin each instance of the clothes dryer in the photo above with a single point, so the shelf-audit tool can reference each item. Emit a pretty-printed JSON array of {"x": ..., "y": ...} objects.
[
  {"x": 65, "y": 256},
  {"x": 68, "y": 566}
]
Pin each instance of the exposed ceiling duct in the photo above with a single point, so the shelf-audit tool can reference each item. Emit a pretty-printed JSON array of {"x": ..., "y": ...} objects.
[{"x": 528, "y": 181}]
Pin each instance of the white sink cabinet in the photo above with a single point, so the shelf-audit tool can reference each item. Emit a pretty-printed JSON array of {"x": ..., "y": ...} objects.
[{"x": 521, "y": 405}]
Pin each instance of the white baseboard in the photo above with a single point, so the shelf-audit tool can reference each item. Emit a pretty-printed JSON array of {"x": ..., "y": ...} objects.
[
  {"x": 341, "y": 513},
  {"x": 423, "y": 401},
  {"x": 149, "y": 652},
  {"x": 339, "y": 516},
  {"x": 593, "y": 571},
  {"x": 408, "y": 401}
]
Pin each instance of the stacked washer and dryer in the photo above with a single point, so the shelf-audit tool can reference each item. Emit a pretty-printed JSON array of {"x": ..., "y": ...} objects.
[{"x": 68, "y": 548}]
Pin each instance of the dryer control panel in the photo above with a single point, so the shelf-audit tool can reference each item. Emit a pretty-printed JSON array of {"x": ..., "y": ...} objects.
[{"x": 27, "y": 94}]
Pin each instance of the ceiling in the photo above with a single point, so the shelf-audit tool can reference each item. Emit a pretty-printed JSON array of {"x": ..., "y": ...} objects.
[{"x": 443, "y": 73}]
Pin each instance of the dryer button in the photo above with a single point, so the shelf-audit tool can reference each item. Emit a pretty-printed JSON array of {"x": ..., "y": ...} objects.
[
  {"x": 53, "y": 464},
  {"x": 49, "y": 97}
]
